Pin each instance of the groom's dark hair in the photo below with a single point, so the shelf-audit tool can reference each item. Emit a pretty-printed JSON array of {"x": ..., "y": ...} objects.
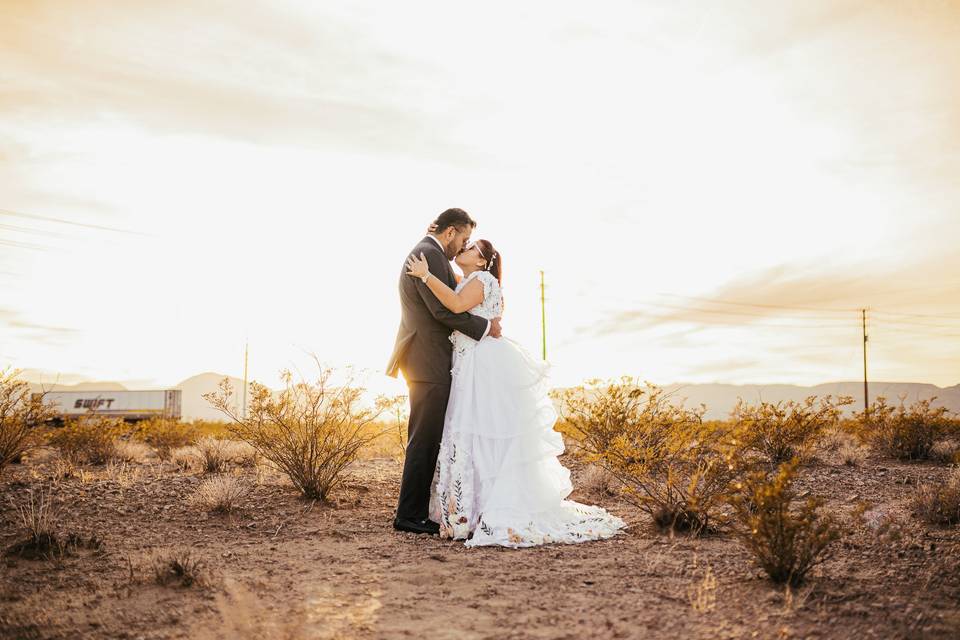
[{"x": 453, "y": 218}]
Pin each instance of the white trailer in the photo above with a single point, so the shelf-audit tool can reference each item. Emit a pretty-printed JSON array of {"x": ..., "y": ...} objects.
[{"x": 129, "y": 405}]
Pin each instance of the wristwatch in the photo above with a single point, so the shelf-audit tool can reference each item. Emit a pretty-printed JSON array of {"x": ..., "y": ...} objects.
[{"x": 425, "y": 277}]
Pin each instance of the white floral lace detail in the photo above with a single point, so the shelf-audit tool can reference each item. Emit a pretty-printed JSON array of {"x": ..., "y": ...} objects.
[{"x": 490, "y": 307}]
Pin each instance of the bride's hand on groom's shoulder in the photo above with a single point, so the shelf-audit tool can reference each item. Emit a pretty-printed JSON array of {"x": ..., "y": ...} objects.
[
  {"x": 417, "y": 267},
  {"x": 432, "y": 227}
]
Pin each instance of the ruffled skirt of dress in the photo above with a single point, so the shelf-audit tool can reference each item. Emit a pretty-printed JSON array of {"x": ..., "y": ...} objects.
[{"x": 497, "y": 475}]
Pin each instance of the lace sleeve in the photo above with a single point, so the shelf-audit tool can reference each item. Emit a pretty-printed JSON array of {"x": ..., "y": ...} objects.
[{"x": 492, "y": 296}]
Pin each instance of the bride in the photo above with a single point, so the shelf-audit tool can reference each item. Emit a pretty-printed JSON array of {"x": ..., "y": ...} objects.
[{"x": 498, "y": 480}]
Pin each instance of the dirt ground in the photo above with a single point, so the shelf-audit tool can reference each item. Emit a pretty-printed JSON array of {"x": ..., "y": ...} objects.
[{"x": 285, "y": 567}]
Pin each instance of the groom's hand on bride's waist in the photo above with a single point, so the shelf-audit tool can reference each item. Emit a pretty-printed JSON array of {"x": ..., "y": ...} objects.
[{"x": 494, "y": 328}]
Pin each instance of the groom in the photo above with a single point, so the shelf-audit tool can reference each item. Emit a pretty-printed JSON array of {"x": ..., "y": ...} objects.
[{"x": 424, "y": 353}]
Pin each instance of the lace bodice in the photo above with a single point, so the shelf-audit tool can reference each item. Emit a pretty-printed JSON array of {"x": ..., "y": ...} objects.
[{"x": 491, "y": 307}]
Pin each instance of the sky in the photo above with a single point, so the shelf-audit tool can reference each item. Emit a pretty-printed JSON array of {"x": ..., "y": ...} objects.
[{"x": 713, "y": 190}]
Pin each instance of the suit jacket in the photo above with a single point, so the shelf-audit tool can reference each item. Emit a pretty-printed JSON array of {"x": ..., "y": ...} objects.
[{"x": 423, "y": 350}]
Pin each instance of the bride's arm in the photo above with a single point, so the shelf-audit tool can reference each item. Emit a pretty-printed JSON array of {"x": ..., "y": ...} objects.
[{"x": 470, "y": 296}]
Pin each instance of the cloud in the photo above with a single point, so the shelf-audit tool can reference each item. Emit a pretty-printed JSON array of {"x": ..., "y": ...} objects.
[
  {"x": 35, "y": 332},
  {"x": 261, "y": 75},
  {"x": 800, "y": 296}
]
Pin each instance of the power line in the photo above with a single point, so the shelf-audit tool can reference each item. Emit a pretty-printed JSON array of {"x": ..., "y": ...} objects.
[
  {"x": 817, "y": 309},
  {"x": 920, "y": 324},
  {"x": 738, "y": 313},
  {"x": 766, "y": 306},
  {"x": 20, "y": 214},
  {"x": 917, "y": 315},
  {"x": 890, "y": 329},
  {"x": 39, "y": 232},
  {"x": 24, "y": 245}
]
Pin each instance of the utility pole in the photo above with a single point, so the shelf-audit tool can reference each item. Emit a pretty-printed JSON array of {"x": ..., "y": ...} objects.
[
  {"x": 543, "y": 315},
  {"x": 246, "y": 349},
  {"x": 866, "y": 401}
]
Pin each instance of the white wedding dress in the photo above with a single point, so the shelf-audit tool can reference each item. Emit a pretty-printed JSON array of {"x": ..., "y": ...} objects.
[{"x": 498, "y": 476}]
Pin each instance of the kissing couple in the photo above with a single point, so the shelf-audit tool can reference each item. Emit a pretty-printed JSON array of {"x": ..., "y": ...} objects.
[{"x": 481, "y": 459}]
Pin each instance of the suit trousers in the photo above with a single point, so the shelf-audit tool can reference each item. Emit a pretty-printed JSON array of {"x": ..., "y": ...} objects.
[{"x": 428, "y": 407}]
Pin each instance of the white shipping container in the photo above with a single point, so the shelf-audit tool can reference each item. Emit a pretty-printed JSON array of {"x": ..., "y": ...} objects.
[{"x": 129, "y": 405}]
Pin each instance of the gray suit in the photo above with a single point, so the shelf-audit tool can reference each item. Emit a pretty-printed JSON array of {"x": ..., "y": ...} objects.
[{"x": 424, "y": 353}]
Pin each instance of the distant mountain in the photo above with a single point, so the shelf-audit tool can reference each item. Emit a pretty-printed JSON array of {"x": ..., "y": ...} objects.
[
  {"x": 80, "y": 386},
  {"x": 720, "y": 399}
]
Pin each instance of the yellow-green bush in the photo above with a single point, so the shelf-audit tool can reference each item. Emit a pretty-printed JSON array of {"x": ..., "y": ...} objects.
[
  {"x": 309, "y": 431},
  {"x": 20, "y": 415},
  {"x": 164, "y": 434},
  {"x": 782, "y": 431},
  {"x": 785, "y": 541},
  {"x": 667, "y": 460},
  {"x": 88, "y": 439},
  {"x": 906, "y": 433}
]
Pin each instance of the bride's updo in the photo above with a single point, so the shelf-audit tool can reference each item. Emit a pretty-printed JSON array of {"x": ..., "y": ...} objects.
[{"x": 492, "y": 256}]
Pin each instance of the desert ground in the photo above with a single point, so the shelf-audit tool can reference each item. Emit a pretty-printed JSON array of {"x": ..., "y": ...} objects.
[{"x": 282, "y": 566}]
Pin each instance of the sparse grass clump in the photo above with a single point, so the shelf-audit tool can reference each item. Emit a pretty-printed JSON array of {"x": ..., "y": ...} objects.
[
  {"x": 130, "y": 451},
  {"x": 783, "y": 431},
  {"x": 906, "y": 433},
  {"x": 666, "y": 460},
  {"x": 39, "y": 517},
  {"x": 179, "y": 566},
  {"x": 785, "y": 541},
  {"x": 87, "y": 440},
  {"x": 221, "y": 494},
  {"x": 214, "y": 454},
  {"x": 20, "y": 414},
  {"x": 309, "y": 431},
  {"x": 939, "y": 503},
  {"x": 185, "y": 458}
]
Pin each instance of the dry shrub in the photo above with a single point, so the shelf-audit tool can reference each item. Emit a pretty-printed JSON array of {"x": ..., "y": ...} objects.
[
  {"x": 179, "y": 566},
  {"x": 667, "y": 460},
  {"x": 222, "y": 494},
  {"x": 20, "y": 413},
  {"x": 786, "y": 542},
  {"x": 598, "y": 481},
  {"x": 87, "y": 440},
  {"x": 946, "y": 451},
  {"x": 122, "y": 473},
  {"x": 782, "y": 431},
  {"x": 130, "y": 451},
  {"x": 241, "y": 454},
  {"x": 310, "y": 431},
  {"x": 185, "y": 458},
  {"x": 939, "y": 503},
  {"x": 165, "y": 435},
  {"x": 842, "y": 447},
  {"x": 906, "y": 433},
  {"x": 214, "y": 454},
  {"x": 39, "y": 516}
]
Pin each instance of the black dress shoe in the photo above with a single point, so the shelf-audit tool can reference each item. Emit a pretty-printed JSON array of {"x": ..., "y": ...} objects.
[{"x": 417, "y": 525}]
